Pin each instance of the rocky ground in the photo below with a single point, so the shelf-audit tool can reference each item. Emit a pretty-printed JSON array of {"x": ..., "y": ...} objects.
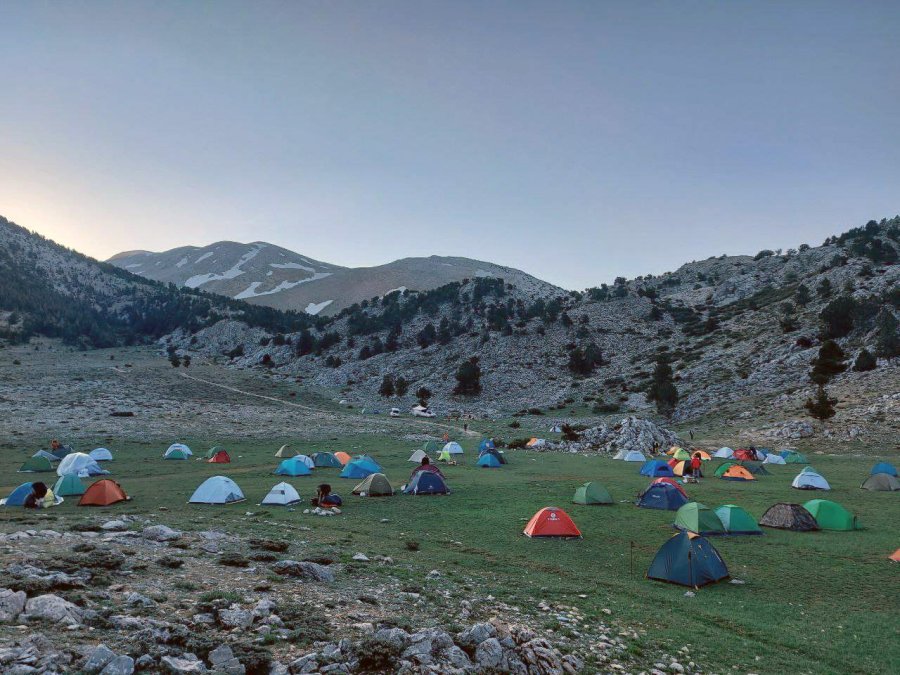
[{"x": 133, "y": 595}]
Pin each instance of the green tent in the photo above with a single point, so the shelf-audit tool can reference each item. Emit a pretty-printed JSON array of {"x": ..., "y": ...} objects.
[
  {"x": 375, "y": 485},
  {"x": 432, "y": 447},
  {"x": 175, "y": 454},
  {"x": 681, "y": 454},
  {"x": 68, "y": 486},
  {"x": 444, "y": 456},
  {"x": 592, "y": 493},
  {"x": 36, "y": 465},
  {"x": 756, "y": 468},
  {"x": 699, "y": 519},
  {"x": 831, "y": 515},
  {"x": 795, "y": 458},
  {"x": 736, "y": 520},
  {"x": 723, "y": 467},
  {"x": 212, "y": 451}
]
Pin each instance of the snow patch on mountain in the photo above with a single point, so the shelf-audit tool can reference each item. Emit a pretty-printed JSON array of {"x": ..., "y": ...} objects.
[
  {"x": 199, "y": 279},
  {"x": 316, "y": 307}
]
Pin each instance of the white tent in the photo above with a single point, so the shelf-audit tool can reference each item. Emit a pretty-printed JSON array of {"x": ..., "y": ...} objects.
[
  {"x": 772, "y": 458},
  {"x": 417, "y": 456},
  {"x": 217, "y": 490},
  {"x": 621, "y": 454},
  {"x": 80, "y": 464},
  {"x": 282, "y": 494},
  {"x": 635, "y": 456},
  {"x": 724, "y": 453},
  {"x": 305, "y": 459},
  {"x": 101, "y": 455},
  {"x": 179, "y": 446},
  {"x": 453, "y": 448},
  {"x": 807, "y": 480}
]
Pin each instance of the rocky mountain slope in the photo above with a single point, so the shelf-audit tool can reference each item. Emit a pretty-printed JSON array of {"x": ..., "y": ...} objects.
[
  {"x": 268, "y": 275},
  {"x": 740, "y": 333}
]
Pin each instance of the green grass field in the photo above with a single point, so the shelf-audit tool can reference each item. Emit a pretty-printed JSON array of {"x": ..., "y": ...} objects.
[{"x": 822, "y": 602}]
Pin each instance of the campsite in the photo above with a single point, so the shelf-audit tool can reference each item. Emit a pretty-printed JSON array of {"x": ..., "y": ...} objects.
[{"x": 473, "y": 536}]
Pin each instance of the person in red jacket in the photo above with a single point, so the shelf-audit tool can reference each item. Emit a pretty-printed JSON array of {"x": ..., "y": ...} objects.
[{"x": 695, "y": 465}]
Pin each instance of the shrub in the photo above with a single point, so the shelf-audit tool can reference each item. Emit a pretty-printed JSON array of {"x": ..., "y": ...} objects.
[
  {"x": 468, "y": 378},
  {"x": 829, "y": 363},
  {"x": 887, "y": 339},
  {"x": 865, "y": 361},
  {"x": 387, "y": 386},
  {"x": 822, "y": 407},
  {"x": 837, "y": 317}
]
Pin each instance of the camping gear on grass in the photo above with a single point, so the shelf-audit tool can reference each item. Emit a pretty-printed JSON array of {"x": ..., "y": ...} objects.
[
  {"x": 736, "y": 472},
  {"x": 80, "y": 464},
  {"x": 662, "y": 496},
  {"x": 103, "y": 493},
  {"x": 488, "y": 461},
  {"x": 181, "y": 447},
  {"x": 881, "y": 482},
  {"x": 699, "y": 519},
  {"x": 551, "y": 521},
  {"x": 36, "y": 465},
  {"x": 810, "y": 480},
  {"x": 784, "y": 516},
  {"x": 426, "y": 483},
  {"x": 736, "y": 520},
  {"x": 688, "y": 559},
  {"x": 283, "y": 494},
  {"x": 375, "y": 485},
  {"x": 831, "y": 515},
  {"x": 292, "y": 467}
]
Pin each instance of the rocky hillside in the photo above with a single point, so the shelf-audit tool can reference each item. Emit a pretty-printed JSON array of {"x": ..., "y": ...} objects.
[
  {"x": 268, "y": 275},
  {"x": 739, "y": 332},
  {"x": 50, "y": 290}
]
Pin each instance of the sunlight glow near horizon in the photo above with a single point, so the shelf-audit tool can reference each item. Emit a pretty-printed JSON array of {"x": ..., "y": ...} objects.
[{"x": 577, "y": 141}]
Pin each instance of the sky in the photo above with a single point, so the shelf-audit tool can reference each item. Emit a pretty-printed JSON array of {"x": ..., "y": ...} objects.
[{"x": 578, "y": 141}]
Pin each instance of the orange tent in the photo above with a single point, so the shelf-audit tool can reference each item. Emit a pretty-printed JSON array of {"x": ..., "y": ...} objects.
[
  {"x": 551, "y": 522},
  {"x": 343, "y": 457},
  {"x": 673, "y": 450},
  {"x": 679, "y": 468},
  {"x": 103, "y": 493},
  {"x": 737, "y": 472},
  {"x": 670, "y": 481},
  {"x": 705, "y": 456},
  {"x": 896, "y": 555},
  {"x": 221, "y": 457}
]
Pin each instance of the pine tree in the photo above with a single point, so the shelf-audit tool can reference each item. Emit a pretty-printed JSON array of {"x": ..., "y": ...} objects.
[
  {"x": 865, "y": 361},
  {"x": 802, "y": 296},
  {"x": 887, "y": 339},
  {"x": 662, "y": 389},
  {"x": 468, "y": 378},
  {"x": 387, "y": 386},
  {"x": 423, "y": 394},
  {"x": 822, "y": 407},
  {"x": 824, "y": 288},
  {"x": 401, "y": 386},
  {"x": 828, "y": 363}
]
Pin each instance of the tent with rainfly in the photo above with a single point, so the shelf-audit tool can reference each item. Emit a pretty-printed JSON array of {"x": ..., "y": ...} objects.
[
  {"x": 426, "y": 483},
  {"x": 688, "y": 559},
  {"x": 773, "y": 458},
  {"x": 592, "y": 493},
  {"x": 375, "y": 485},
  {"x": 217, "y": 490},
  {"x": 326, "y": 460},
  {"x": 283, "y": 494},
  {"x": 736, "y": 520},
  {"x": 453, "y": 448},
  {"x": 681, "y": 454},
  {"x": 551, "y": 521},
  {"x": 756, "y": 468},
  {"x": 49, "y": 456},
  {"x": 881, "y": 482},
  {"x": 17, "y": 497},
  {"x": 682, "y": 467},
  {"x": 661, "y": 496},
  {"x": 656, "y": 468},
  {"x": 670, "y": 481},
  {"x": 810, "y": 480},
  {"x": 175, "y": 453},
  {"x": 793, "y": 457},
  {"x": 784, "y": 516},
  {"x": 431, "y": 447},
  {"x": 286, "y": 452},
  {"x": 737, "y": 472},
  {"x": 100, "y": 455},
  {"x": 80, "y": 464},
  {"x": 417, "y": 456},
  {"x": 36, "y": 465},
  {"x": 884, "y": 467},
  {"x": 699, "y": 519},
  {"x": 634, "y": 456},
  {"x": 182, "y": 447},
  {"x": 69, "y": 485},
  {"x": 724, "y": 453},
  {"x": 212, "y": 451},
  {"x": 488, "y": 461},
  {"x": 360, "y": 468},
  {"x": 723, "y": 467},
  {"x": 342, "y": 457},
  {"x": 831, "y": 515},
  {"x": 221, "y": 457},
  {"x": 104, "y": 492},
  {"x": 486, "y": 444},
  {"x": 292, "y": 467},
  {"x": 496, "y": 453}
]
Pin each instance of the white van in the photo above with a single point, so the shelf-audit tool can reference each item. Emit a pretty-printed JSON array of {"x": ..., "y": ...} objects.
[
  {"x": 422, "y": 411},
  {"x": 395, "y": 412}
]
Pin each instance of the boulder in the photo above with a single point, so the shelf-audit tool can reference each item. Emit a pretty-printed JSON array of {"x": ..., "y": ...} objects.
[
  {"x": 54, "y": 609},
  {"x": 97, "y": 659},
  {"x": 223, "y": 660},
  {"x": 188, "y": 663},
  {"x": 160, "y": 533},
  {"x": 12, "y": 603},
  {"x": 120, "y": 665},
  {"x": 307, "y": 571}
]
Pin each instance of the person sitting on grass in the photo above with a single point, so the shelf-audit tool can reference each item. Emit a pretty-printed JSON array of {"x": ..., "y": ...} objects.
[
  {"x": 35, "y": 499},
  {"x": 325, "y": 498},
  {"x": 426, "y": 465}
]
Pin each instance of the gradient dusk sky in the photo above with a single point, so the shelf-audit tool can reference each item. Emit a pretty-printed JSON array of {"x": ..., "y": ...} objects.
[{"x": 578, "y": 141}]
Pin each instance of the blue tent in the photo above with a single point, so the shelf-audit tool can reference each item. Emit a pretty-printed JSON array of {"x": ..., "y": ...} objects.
[
  {"x": 656, "y": 468},
  {"x": 50, "y": 457},
  {"x": 17, "y": 496},
  {"x": 426, "y": 483},
  {"x": 326, "y": 460},
  {"x": 217, "y": 490},
  {"x": 663, "y": 496},
  {"x": 486, "y": 444},
  {"x": 293, "y": 467},
  {"x": 689, "y": 560},
  {"x": 371, "y": 463},
  {"x": 488, "y": 461},
  {"x": 360, "y": 468},
  {"x": 884, "y": 467}
]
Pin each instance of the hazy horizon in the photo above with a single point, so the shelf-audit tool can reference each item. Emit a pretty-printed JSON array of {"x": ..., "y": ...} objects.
[{"x": 577, "y": 141}]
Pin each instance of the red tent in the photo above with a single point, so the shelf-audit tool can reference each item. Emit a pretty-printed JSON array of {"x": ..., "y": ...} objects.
[
  {"x": 221, "y": 457},
  {"x": 745, "y": 454},
  {"x": 670, "y": 481},
  {"x": 551, "y": 522},
  {"x": 103, "y": 493}
]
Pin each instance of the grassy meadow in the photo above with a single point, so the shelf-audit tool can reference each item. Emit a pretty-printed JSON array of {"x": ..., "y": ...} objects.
[{"x": 823, "y": 602}]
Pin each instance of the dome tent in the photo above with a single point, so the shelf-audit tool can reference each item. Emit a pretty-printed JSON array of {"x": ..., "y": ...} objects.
[
  {"x": 723, "y": 467},
  {"x": 49, "y": 456},
  {"x": 286, "y": 452},
  {"x": 661, "y": 496},
  {"x": 793, "y": 457},
  {"x": 498, "y": 455},
  {"x": 212, "y": 451},
  {"x": 688, "y": 559},
  {"x": 772, "y": 458},
  {"x": 426, "y": 483},
  {"x": 634, "y": 456},
  {"x": 488, "y": 461},
  {"x": 326, "y": 460},
  {"x": 104, "y": 492},
  {"x": 180, "y": 447},
  {"x": 881, "y": 482},
  {"x": 486, "y": 444},
  {"x": 670, "y": 481},
  {"x": 736, "y": 520},
  {"x": 360, "y": 468},
  {"x": 292, "y": 467},
  {"x": 699, "y": 519},
  {"x": 69, "y": 486},
  {"x": 737, "y": 472},
  {"x": 551, "y": 521},
  {"x": 831, "y": 515},
  {"x": 283, "y": 494},
  {"x": 417, "y": 456},
  {"x": 221, "y": 457},
  {"x": 310, "y": 464},
  {"x": 36, "y": 465},
  {"x": 656, "y": 468},
  {"x": 884, "y": 467},
  {"x": 100, "y": 455},
  {"x": 784, "y": 516},
  {"x": 724, "y": 453},
  {"x": 217, "y": 490},
  {"x": 454, "y": 448},
  {"x": 375, "y": 485},
  {"x": 176, "y": 454},
  {"x": 80, "y": 464},
  {"x": 17, "y": 496},
  {"x": 810, "y": 480},
  {"x": 592, "y": 493},
  {"x": 431, "y": 447},
  {"x": 342, "y": 457}
]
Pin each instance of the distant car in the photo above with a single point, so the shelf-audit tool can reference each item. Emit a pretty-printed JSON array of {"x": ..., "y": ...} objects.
[
  {"x": 422, "y": 411},
  {"x": 395, "y": 412}
]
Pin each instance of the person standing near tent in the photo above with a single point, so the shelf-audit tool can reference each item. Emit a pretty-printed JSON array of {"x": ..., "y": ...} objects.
[
  {"x": 35, "y": 499},
  {"x": 446, "y": 437},
  {"x": 325, "y": 497},
  {"x": 696, "y": 462},
  {"x": 426, "y": 465}
]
